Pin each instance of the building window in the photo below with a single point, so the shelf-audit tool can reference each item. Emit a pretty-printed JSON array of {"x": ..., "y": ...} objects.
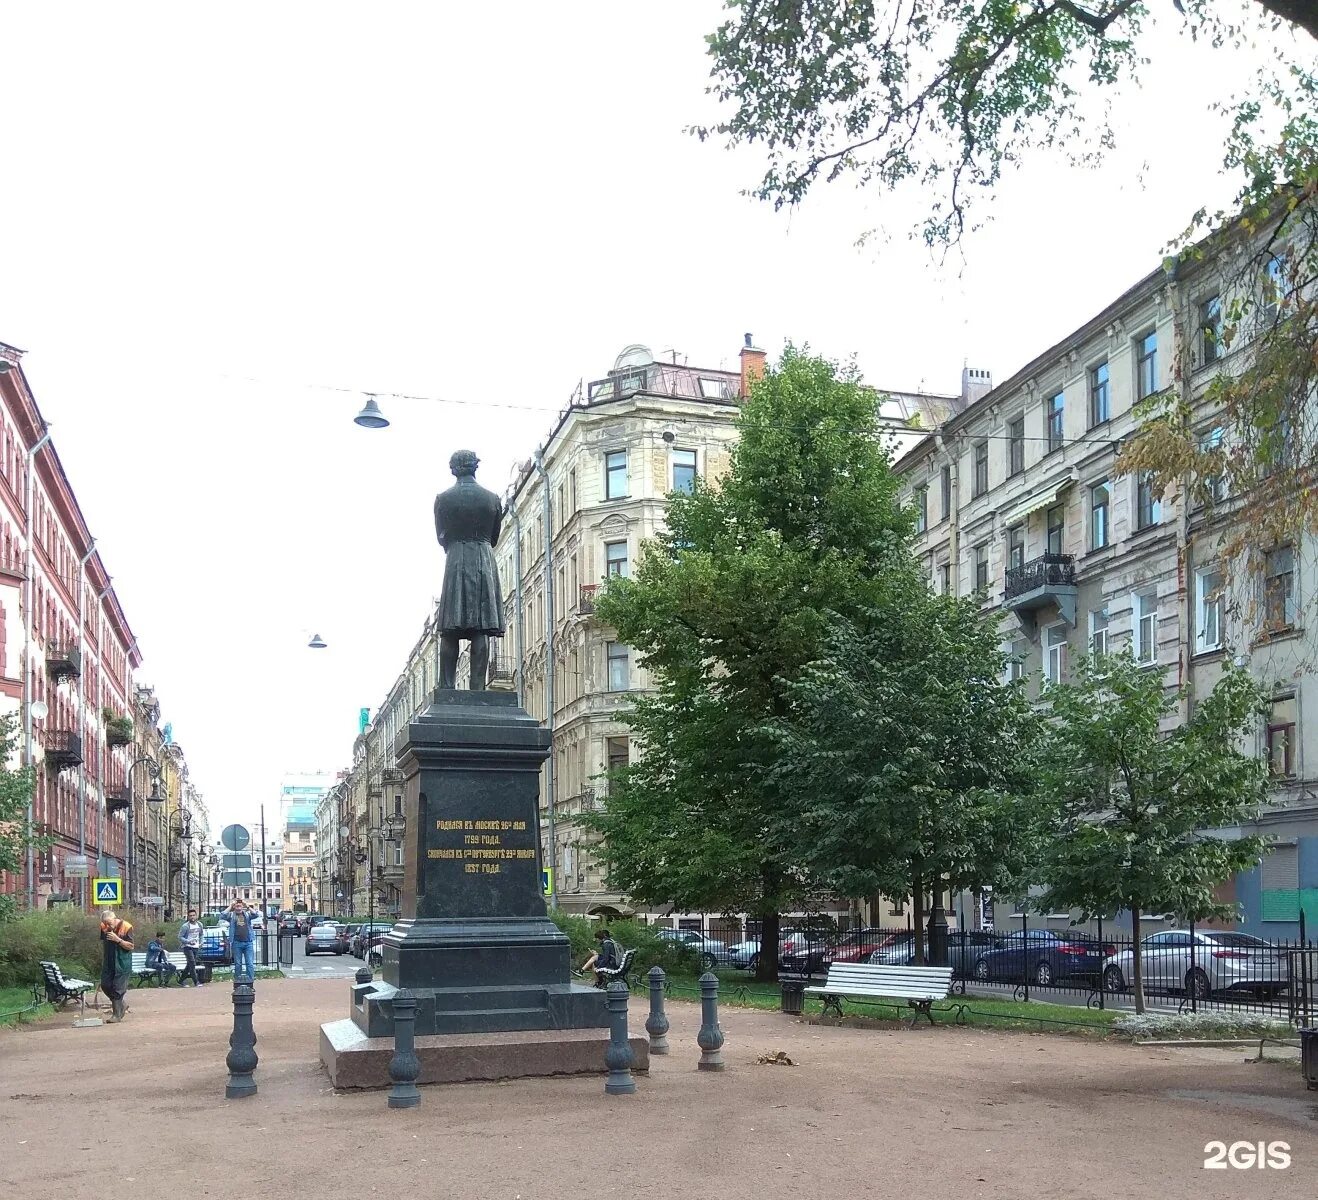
[
  {"x": 1144, "y": 627},
  {"x": 1015, "y": 547},
  {"x": 1274, "y": 287},
  {"x": 1148, "y": 508},
  {"x": 1100, "y": 395},
  {"x": 1279, "y": 588},
  {"x": 684, "y": 471},
  {"x": 1098, "y": 623},
  {"x": 1214, "y": 485},
  {"x": 1054, "y": 661},
  {"x": 1056, "y": 524},
  {"x": 1016, "y": 446},
  {"x": 619, "y": 675},
  {"x": 1281, "y": 737},
  {"x": 617, "y": 753},
  {"x": 981, "y": 468},
  {"x": 1056, "y": 410},
  {"x": 981, "y": 567},
  {"x": 1208, "y": 585},
  {"x": 1016, "y": 661},
  {"x": 945, "y": 578},
  {"x": 615, "y": 474},
  {"x": 945, "y": 484},
  {"x": 1146, "y": 365},
  {"x": 615, "y": 559},
  {"x": 1210, "y": 330},
  {"x": 921, "y": 509},
  {"x": 1100, "y": 509}
]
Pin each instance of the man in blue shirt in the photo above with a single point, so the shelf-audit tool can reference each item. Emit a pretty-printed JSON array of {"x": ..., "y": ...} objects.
[
  {"x": 157, "y": 958},
  {"x": 243, "y": 941}
]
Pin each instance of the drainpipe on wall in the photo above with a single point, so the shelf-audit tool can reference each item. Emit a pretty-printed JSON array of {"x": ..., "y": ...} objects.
[
  {"x": 549, "y": 671},
  {"x": 27, "y": 659},
  {"x": 1183, "y": 361},
  {"x": 82, "y": 720}
]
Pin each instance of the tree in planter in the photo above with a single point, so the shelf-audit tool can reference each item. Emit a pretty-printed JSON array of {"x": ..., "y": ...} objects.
[
  {"x": 910, "y": 757},
  {"x": 16, "y": 835},
  {"x": 728, "y": 606},
  {"x": 1132, "y": 809}
]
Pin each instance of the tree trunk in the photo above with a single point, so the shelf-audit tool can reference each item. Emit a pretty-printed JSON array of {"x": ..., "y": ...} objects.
[
  {"x": 767, "y": 970},
  {"x": 1297, "y": 12},
  {"x": 1136, "y": 962},
  {"x": 917, "y": 915}
]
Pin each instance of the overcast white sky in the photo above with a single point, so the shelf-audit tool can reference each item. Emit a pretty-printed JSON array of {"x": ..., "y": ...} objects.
[{"x": 207, "y": 210}]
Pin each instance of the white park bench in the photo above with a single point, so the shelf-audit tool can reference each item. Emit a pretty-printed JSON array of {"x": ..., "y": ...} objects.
[
  {"x": 60, "y": 989},
  {"x": 145, "y": 974},
  {"x": 918, "y": 986}
]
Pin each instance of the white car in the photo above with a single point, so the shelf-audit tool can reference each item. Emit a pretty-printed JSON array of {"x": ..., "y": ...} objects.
[{"x": 1217, "y": 960}]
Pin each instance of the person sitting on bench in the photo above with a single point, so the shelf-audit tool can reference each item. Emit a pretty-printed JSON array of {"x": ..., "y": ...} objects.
[
  {"x": 606, "y": 957},
  {"x": 157, "y": 958}
]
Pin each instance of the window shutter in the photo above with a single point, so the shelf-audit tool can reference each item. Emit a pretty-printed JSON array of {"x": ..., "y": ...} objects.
[{"x": 1281, "y": 869}]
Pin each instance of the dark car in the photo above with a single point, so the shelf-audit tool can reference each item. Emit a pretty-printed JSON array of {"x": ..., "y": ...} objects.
[
  {"x": 817, "y": 953},
  {"x": 326, "y": 938},
  {"x": 964, "y": 950},
  {"x": 215, "y": 946},
  {"x": 367, "y": 934},
  {"x": 289, "y": 925},
  {"x": 1041, "y": 956}
]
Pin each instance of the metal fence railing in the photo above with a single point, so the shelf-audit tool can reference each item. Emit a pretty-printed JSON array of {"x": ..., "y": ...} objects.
[{"x": 1184, "y": 969}]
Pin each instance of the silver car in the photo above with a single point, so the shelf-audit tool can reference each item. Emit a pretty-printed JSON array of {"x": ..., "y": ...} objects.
[
  {"x": 711, "y": 951},
  {"x": 1215, "y": 961}
]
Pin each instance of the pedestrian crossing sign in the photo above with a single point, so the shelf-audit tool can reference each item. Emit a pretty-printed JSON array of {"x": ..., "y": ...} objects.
[
  {"x": 108, "y": 891},
  {"x": 546, "y": 881}
]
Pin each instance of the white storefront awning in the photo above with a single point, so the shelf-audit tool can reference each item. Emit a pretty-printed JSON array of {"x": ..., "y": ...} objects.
[{"x": 1032, "y": 503}]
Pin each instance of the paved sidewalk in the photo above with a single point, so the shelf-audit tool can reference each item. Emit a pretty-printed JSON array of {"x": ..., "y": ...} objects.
[{"x": 100, "y": 1114}]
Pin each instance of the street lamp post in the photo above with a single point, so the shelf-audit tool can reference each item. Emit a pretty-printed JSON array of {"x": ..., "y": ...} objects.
[{"x": 153, "y": 769}]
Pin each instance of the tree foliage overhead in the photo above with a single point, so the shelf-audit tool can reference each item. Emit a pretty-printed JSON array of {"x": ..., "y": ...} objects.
[
  {"x": 15, "y": 794},
  {"x": 733, "y": 600},
  {"x": 1129, "y": 803},
  {"x": 945, "y": 93},
  {"x": 910, "y": 757}
]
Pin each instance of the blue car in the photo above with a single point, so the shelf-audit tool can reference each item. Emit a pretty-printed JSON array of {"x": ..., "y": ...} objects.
[
  {"x": 215, "y": 946},
  {"x": 1044, "y": 957}
]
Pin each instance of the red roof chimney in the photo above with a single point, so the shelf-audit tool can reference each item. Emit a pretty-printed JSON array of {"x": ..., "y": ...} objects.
[{"x": 752, "y": 365}]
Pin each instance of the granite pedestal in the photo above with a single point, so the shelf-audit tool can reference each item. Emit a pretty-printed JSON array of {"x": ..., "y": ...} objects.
[{"x": 475, "y": 946}]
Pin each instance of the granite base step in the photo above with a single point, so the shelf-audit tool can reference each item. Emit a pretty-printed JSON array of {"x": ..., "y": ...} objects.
[{"x": 354, "y": 1060}]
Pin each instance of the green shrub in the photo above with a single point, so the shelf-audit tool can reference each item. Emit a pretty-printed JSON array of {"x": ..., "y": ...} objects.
[
  {"x": 651, "y": 949},
  {"x": 68, "y": 937}
]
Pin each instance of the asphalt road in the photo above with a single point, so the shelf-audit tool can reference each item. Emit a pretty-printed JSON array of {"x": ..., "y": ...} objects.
[{"x": 314, "y": 966}]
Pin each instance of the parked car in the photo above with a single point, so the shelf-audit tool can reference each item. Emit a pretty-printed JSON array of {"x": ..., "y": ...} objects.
[
  {"x": 1215, "y": 961},
  {"x": 818, "y": 952},
  {"x": 964, "y": 950},
  {"x": 215, "y": 946},
  {"x": 373, "y": 950},
  {"x": 711, "y": 951},
  {"x": 745, "y": 956},
  {"x": 367, "y": 933},
  {"x": 326, "y": 938},
  {"x": 1041, "y": 956},
  {"x": 289, "y": 925}
]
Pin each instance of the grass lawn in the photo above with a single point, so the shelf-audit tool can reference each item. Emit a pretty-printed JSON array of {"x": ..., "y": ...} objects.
[
  {"x": 16, "y": 1005},
  {"x": 739, "y": 990}
]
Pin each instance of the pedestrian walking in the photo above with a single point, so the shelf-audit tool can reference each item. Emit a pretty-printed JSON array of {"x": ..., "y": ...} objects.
[
  {"x": 116, "y": 961},
  {"x": 242, "y": 941},
  {"x": 189, "y": 939}
]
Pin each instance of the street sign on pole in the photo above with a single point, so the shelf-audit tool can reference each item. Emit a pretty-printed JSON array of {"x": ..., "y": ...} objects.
[
  {"x": 108, "y": 891},
  {"x": 77, "y": 866},
  {"x": 547, "y": 881}
]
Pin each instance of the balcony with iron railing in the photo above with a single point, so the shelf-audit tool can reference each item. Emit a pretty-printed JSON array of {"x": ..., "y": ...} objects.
[
  {"x": 63, "y": 748},
  {"x": 1038, "y": 583},
  {"x": 63, "y": 659},
  {"x": 117, "y": 799}
]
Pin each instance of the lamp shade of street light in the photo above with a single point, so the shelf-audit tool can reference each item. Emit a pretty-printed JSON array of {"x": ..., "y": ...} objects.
[
  {"x": 316, "y": 643},
  {"x": 38, "y": 710},
  {"x": 371, "y": 417},
  {"x": 155, "y": 797}
]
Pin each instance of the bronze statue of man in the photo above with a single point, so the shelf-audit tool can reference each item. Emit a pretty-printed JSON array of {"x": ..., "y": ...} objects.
[{"x": 467, "y": 520}]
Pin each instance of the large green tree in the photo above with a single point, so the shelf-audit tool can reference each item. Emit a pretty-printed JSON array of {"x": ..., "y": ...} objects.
[
  {"x": 15, "y": 833},
  {"x": 1133, "y": 804},
  {"x": 727, "y": 607},
  {"x": 910, "y": 757}
]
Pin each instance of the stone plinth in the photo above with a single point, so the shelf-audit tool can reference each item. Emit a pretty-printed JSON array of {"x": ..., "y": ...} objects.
[
  {"x": 357, "y": 1061},
  {"x": 475, "y": 945}
]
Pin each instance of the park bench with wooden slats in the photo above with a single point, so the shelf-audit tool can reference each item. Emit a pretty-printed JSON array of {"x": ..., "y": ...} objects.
[
  {"x": 918, "y": 986},
  {"x": 59, "y": 990},
  {"x": 145, "y": 974},
  {"x": 606, "y": 975}
]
